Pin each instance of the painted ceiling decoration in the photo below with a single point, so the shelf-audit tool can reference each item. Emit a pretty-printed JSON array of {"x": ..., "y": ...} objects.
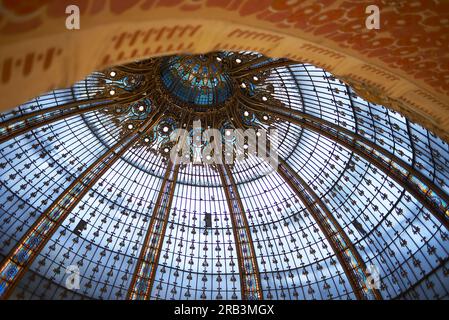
[
  {"x": 356, "y": 208},
  {"x": 403, "y": 65}
]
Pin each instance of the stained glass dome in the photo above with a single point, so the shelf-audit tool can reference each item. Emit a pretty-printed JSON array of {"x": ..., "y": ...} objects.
[
  {"x": 198, "y": 80},
  {"x": 92, "y": 205}
]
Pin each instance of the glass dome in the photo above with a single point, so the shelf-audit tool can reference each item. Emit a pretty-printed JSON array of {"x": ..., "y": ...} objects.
[
  {"x": 356, "y": 208},
  {"x": 197, "y": 80}
]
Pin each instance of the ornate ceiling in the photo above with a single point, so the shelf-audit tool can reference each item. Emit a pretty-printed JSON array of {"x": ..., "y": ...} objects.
[
  {"x": 88, "y": 182},
  {"x": 403, "y": 65}
]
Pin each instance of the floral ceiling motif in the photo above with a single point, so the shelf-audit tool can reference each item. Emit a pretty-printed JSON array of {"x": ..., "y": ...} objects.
[{"x": 414, "y": 35}]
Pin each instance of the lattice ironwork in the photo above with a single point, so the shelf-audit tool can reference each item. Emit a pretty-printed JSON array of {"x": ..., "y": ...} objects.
[
  {"x": 348, "y": 256},
  {"x": 84, "y": 184},
  {"x": 248, "y": 268},
  {"x": 145, "y": 272},
  {"x": 23, "y": 254}
]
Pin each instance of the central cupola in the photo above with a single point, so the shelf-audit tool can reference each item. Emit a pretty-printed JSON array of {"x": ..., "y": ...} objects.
[{"x": 197, "y": 80}]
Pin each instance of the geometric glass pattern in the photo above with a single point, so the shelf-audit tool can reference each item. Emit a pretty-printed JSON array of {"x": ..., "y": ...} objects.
[{"x": 359, "y": 187}]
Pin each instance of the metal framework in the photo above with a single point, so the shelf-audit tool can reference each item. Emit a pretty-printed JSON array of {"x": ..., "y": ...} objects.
[
  {"x": 33, "y": 120},
  {"x": 23, "y": 254},
  {"x": 143, "y": 278},
  {"x": 263, "y": 67},
  {"x": 390, "y": 164},
  {"x": 248, "y": 267},
  {"x": 358, "y": 209},
  {"x": 250, "y": 61},
  {"x": 344, "y": 249}
]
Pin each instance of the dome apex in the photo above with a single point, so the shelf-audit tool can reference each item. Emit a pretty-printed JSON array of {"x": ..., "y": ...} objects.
[{"x": 197, "y": 79}]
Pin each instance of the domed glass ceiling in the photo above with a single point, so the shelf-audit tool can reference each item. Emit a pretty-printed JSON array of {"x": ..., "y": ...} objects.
[
  {"x": 356, "y": 207},
  {"x": 197, "y": 80}
]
